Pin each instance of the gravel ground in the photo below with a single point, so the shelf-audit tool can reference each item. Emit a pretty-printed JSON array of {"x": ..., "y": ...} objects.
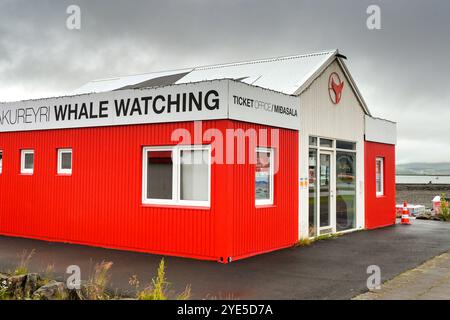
[{"x": 420, "y": 194}]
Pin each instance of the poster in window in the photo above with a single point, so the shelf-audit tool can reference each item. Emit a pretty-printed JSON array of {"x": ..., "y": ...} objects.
[{"x": 262, "y": 177}]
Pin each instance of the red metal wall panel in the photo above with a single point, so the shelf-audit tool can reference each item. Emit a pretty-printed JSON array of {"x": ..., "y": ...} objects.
[
  {"x": 262, "y": 229},
  {"x": 379, "y": 210},
  {"x": 100, "y": 203}
]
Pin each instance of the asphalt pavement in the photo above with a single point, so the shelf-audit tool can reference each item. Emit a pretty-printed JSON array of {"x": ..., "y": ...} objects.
[{"x": 327, "y": 269}]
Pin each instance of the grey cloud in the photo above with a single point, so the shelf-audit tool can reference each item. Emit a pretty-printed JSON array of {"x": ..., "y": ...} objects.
[{"x": 402, "y": 70}]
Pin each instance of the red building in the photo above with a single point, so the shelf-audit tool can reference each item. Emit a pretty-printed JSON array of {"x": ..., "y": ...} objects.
[{"x": 218, "y": 163}]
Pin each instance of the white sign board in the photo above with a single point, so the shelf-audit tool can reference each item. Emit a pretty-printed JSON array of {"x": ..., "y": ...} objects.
[
  {"x": 207, "y": 100},
  {"x": 258, "y": 105}
]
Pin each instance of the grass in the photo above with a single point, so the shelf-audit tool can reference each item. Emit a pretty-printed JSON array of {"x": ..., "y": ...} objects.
[
  {"x": 303, "y": 242},
  {"x": 96, "y": 285},
  {"x": 25, "y": 258},
  {"x": 48, "y": 274},
  {"x": 4, "y": 294},
  {"x": 327, "y": 236}
]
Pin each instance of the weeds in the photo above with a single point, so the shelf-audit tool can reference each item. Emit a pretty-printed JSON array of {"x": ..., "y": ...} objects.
[
  {"x": 25, "y": 258},
  {"x": 327, "y": 237},
  {"x": 96, "y": 286},
  {"x": 4, "y": 285},
  {"x": 48, "y": 274},
  {"x": 303, "y": 242},
  {"x": 158, "y": 288}
]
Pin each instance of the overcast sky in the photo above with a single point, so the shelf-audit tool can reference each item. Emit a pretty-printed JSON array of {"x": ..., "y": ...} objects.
[{"x": 402, "y": 70}]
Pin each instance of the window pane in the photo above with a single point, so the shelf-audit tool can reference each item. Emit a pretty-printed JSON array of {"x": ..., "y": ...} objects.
[
  {"x": 325, "y": 190},
  {"x": 379, "y": 170},
  {"x": 312, "y": 141},
  {"x": 66, "y": 160},
  {"x": 326, "y": 143},
  {"x": 1, "y": 161},
  {"x": 312, "y": 192},
  {"x": 345, "y": 145},
  {"x": 159, "y": 174},
  {"x": 262, "y": 177},
  {"x": 194, "y": 173},
  {"x": 29, "y": 160}
]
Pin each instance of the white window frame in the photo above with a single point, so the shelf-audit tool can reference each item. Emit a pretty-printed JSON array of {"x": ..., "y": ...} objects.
[
  {"x": 194, "y": 203},
  {"x": 60, "y": 170},
  {"x": 1, "y": 162},
  {"x": 270, "y": 201},
  {"x": 24, "y": 170},
  {"x": 176, "y": 177},
  {"x": 381, "y": 192}
]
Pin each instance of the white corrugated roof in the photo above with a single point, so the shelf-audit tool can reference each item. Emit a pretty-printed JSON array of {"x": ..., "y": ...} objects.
[
  {"x": 283, "y": 74},
  {"x": 104, "y": 85}
]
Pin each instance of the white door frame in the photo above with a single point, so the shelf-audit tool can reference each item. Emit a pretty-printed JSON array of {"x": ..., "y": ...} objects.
[{"x": 332, "y": 197}]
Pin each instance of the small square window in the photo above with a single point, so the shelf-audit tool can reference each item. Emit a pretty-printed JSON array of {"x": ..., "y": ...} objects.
[
  {"x": 345, "y": 145},
  {"x": 313, "y": 141},
  {"x": 264, "y": 176},
  {"x": 64, "y": 161},
  {"x": 379, "y": 176},
  {"x": 326, "y": 143},
  {"x": 27, "y": 162}
]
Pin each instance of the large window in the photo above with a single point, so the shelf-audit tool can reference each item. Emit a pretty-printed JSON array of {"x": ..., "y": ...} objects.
[
  {"x": 64, "y": 161},
  {"x": 379, "y": 176},
  {"x": 27, "y": 162},
  {"x": 1, "y": 161},
  {"x": 177, "y": 175},
  {"x": 264, "y": 176}
]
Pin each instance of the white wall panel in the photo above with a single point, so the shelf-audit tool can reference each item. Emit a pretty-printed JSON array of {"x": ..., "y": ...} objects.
[
  {"x": 344, "y": 121},
  {"x": 380, "y": 130}
]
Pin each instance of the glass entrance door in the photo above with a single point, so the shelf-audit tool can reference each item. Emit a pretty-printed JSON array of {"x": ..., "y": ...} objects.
[
  {"x": 345, "y": 190},
  {"x": 332, "y": 190},
  {"x": 325, "y": 193}
]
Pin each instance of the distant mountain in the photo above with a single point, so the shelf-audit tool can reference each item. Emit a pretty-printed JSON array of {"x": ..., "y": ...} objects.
[{"x": 440, "y": 168}]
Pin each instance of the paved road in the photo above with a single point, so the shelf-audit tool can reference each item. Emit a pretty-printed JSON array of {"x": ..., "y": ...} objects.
[{"x": 328, "y": 269}]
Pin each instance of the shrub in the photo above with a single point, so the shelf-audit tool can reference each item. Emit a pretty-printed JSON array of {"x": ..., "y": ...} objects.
[{"x": 445, "y": 212}]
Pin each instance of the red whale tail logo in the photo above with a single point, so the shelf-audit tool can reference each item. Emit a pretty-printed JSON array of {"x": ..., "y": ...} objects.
[{"x": 335, "y": 88}]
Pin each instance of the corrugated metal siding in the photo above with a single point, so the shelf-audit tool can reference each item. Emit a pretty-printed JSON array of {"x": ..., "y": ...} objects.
[
  {"x": 100, "y": 204},
  {"x": 380, "y": 211},
  {"x": 263, "y": 229}
]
